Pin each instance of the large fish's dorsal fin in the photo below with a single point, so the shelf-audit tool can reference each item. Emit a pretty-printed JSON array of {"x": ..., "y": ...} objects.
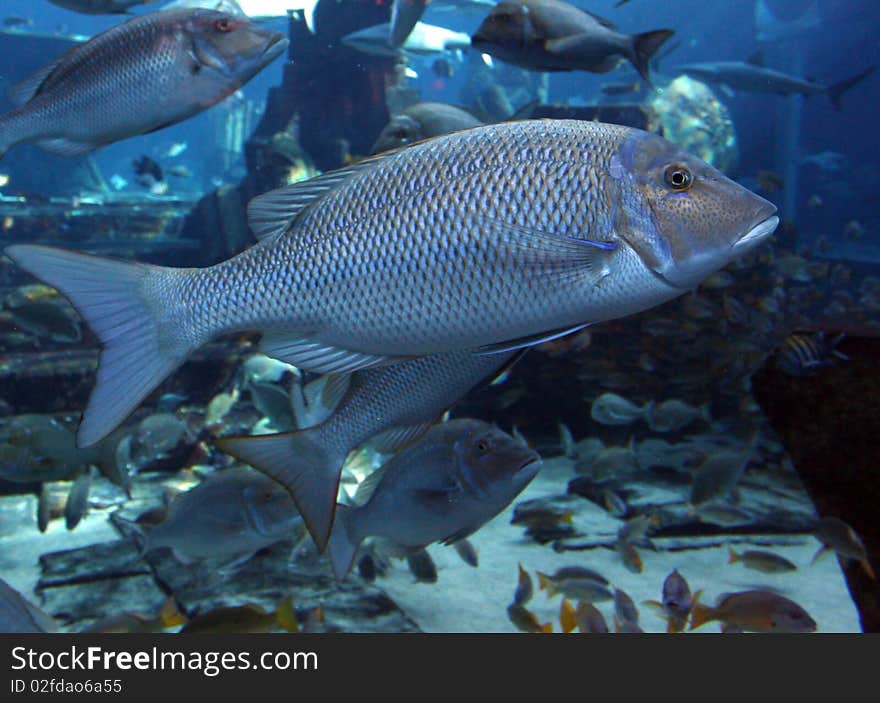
[
  {"x": 271, "y": 213},
  {"x": 757, "y": 59},
  {"x": 608, "y": 24},
  {"x": 30, "y": 86}
]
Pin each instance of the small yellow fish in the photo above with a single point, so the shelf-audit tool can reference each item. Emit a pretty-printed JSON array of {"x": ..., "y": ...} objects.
[
  {"x": 755, "y": 611},
  {"x": 246, "y": 619}
]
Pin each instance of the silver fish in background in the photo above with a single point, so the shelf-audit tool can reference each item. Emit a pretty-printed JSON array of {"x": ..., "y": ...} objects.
[
  {"x": 142, "y": 75},
  {"x": 753, "y": 77},
  {"x": 18, "y": 615},
  {"x": 403, "y": 400},
  {"x": 441, "y": 489},
  {"x": 421, "y": 121},
  {"x": 223, "y": 520},
  {"x": 612, "y": 409},
  {"x": 100, "y": 7},
  {"x": 550, "y": 35},
  {"x": 364, "y": 266},
  {"x": 423, "y": 39}
]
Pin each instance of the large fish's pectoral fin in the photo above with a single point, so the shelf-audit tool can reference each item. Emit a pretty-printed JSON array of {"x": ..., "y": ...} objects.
[
  {"x": 530, "y": 341},
  {"x": 554, "y": 253},
  {"x": 316, "y": 356},
  {"x": 569, "y": 48},
  {"x": 65, "y": 147}
]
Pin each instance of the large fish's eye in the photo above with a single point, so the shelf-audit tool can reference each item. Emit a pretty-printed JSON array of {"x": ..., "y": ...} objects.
[
  {"x": 223, "y": 25},
  {"x": 483, "y": 446},
  {"x": 678, "y": 177}
]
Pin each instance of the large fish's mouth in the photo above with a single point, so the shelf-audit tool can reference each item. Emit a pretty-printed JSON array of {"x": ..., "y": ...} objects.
[
  {"x": 275, "y": 47},
  {"x": 528, "y": 470},
  {"x": 758, "y": 232}
]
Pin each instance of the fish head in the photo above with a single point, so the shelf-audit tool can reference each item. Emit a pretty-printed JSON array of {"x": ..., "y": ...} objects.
[
  {"x": 788, "y": 616},
  {"x": 231, "y": 44},
  {"x": 269, "y": 509},
  {"x": 684, "y": 218},
  {"x": 493, "y": 462},
  {"x": 508, "y": 25},
  {"x": 402, "y": 129}
]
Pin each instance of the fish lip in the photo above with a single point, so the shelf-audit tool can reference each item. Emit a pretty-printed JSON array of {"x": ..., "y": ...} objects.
[
  {"x": 758, "y": 232},
  {"x": 529, "y": 469},
  {"x": 275, "y": 47}
]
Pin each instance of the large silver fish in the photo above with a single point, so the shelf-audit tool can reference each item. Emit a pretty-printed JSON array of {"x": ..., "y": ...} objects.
[
  {"x": 142, "y": 75},
  {"x": 444, "y": 488},
  {"x": 403, "y": 399},
  {"x": 491, "y": 239}
]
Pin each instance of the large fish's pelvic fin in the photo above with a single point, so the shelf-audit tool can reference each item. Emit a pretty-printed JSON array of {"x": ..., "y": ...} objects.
[
  {"x": 307, "y": 469},
  {"x": 141, "y": 346}
]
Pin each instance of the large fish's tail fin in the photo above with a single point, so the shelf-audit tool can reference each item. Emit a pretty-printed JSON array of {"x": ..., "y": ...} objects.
[
  {"x": 127, "y": 306},
  {"x": 837, "y": 90},
  {"x": 644, "y": 46},
  {"x": 308, "y": 469},
  {"x": 344, "y": 542}
]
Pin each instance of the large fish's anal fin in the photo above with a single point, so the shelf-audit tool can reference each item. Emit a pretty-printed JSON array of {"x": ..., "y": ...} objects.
[
  {"x": 316, "y": 356},
  {"x": 65, "y": 147}
]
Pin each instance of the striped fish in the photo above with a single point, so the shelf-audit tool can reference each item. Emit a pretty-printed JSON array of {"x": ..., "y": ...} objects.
[{"x": 804, "y": 354}]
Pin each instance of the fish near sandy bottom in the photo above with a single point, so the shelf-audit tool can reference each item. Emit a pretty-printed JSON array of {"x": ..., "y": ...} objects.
[
  {"x": 144, "y": 74},
  {"x": 441, "y": 489},
  {"x": 615, "y": 221},
  {"x": 223, "y": 520},
  {"x": 400, "y": 401},
  {"x": 550, "y": 35},
  {"x": 755, "y": 611}
]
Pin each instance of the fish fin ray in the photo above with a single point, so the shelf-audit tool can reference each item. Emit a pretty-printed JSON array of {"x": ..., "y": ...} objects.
[
  {"x": 139, "y": 349},
  {"x": 529, "y": 341},
  {"x": 65, "y": 147},
  {"x": 272, "y": 213},
  {"x": 315, "y": 356}
]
